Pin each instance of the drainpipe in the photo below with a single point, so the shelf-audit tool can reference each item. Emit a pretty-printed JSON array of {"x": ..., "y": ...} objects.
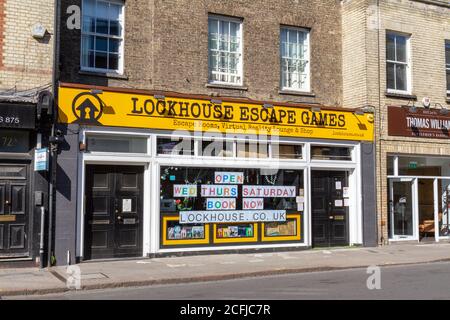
[
  {"x": 53, "y": 147},
  {"x": 382, "y": 240},
  {"x": 41, "y": 240}
]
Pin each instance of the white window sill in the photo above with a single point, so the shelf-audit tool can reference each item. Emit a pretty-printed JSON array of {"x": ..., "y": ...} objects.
[
  {"x": 102, "y": 73},
  {"x": 400, "y": 94},
  {"x": 288, "y": 91},
  {"x": 222, "y": 85}
]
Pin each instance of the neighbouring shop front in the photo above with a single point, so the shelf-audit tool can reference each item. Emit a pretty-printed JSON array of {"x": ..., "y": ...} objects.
[
  {"x": 18, "y": 228},
  {"x": 164, "y": 172},
  {"x": 418, "y": 183}
]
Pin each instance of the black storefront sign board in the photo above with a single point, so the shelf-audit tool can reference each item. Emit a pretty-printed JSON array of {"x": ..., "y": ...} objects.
[{"x": 19, "y": 116}]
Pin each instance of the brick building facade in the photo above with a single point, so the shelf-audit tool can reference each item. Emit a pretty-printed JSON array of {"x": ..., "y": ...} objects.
[
  {"x": 422, "y": 28},
  {"x": 137, "y": 73},
  {"x": 26, "y": 89},
  {"x": 166, "y": 48},
  {"x": 26, "y": 62}
]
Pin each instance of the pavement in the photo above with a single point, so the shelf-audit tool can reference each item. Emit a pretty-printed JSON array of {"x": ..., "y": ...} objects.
[
  {"x": 188, "y": 269},
  {"x": 426, "y": 281}
]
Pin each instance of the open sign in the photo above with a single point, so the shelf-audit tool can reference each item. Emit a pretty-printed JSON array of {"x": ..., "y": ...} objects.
[{"x": 229, "y": 178}]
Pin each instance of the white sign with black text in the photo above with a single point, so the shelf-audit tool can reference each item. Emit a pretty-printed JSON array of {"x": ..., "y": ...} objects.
[{"x": 196, "y": 217}]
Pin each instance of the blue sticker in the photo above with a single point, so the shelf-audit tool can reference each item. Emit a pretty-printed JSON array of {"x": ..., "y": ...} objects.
[{"x": 172, "y": 178}]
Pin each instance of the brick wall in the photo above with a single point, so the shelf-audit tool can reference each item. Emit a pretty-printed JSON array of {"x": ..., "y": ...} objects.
[
  {"x": 166, "y": 47},
  {"x": 2, "y": 23},
  {"x": 429, "y": 26},
  {"x": 25, "y": 62}
]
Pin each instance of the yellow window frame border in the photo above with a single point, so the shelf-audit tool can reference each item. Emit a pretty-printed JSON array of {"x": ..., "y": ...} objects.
[
  {"x": 180, "y": 242},
  {"x": 236, "y": 240},
  {"x": 297, "y": 237}
]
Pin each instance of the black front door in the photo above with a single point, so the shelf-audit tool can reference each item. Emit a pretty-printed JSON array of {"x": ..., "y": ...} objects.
[
  {"x": 14, "y": 212},
  {"x": 329, "y": 208},
  {"x": 114, "y": 204}
]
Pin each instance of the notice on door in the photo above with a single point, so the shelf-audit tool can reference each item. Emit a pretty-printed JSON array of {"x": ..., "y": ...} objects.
[{"x": 126, "y": 205}]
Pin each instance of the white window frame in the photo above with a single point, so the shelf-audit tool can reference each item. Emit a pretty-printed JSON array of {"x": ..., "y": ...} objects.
[
  {"x": 408, "y": 63},
  {"x": 307, "y": 87},
  {"x": 120, "y": 68},
  {"x": 240, "y": 68},
  {"x": 447, "y": 64}
]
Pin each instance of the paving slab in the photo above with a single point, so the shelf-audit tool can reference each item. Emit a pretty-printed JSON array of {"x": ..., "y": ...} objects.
[{"x": 140, "y": 272}]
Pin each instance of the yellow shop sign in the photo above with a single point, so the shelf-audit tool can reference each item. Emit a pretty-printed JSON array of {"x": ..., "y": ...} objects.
[{"x": 140, "y": 110}]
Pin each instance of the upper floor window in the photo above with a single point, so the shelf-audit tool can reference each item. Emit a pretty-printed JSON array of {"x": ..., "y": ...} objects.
[
  {"x": 398, "y": 67},
  {"x": 225, "y": 50},
  {"x": 294, "y": 53},
  {"x": 447, "y": 64},
  {"x": 102, "y": 36}
]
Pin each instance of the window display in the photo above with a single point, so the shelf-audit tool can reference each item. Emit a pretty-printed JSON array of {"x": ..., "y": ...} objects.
[
  {"x": 276, "y": 229},
  {"x": 283, "y": 231},
  {"x": 177, "y": 231},
  {"x": 235, "y": 203},
  {"x": 174, "y": 233}
]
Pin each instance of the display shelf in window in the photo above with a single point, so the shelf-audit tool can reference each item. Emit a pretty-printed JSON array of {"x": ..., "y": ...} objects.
[
  {"x": 175, "y": 233},
  {"x": 231, "y": 233},
  {"x": 282, "y": 231}
]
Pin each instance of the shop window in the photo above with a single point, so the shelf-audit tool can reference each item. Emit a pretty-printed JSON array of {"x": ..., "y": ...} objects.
[
  {"x": 294, "y": 53},
  {"x": 331, "y": 153},
  {"x": 390, "y": 166},
  {"x": 217, "y": 148},
  {"x": 225, "y": 50},
  {"x": 423, "y": 166},
  {"x": 252, "y": 149},
  {"x": 102, "y": 36},
  {"x": 120, "y": 144},
  {"x": 175, "y": 146},
  {"x": 444, "y": 208},
  {"x": 229, "y": 192},
  {"x": 14, "y": 141},
  {"x": 287, "y": 151},
  {"x": 397, "y": 62}
]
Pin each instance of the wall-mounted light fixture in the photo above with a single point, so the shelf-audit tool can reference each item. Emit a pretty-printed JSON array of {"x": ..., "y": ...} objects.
[
  {"x": 159, "y": 96},
  {"x": 368, "y": 108},
  {"x": 216, "y": 101},
  {"x": 267, "y": 105},
  {"x": 96, "y": 91},
  {"x": 413, "y": 108},
  {"x": 316, "y": 109},
  {"x": 444, "y": 111}
]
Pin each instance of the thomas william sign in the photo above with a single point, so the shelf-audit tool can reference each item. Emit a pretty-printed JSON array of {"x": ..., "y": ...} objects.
[{"x": 423, "y": 123}]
